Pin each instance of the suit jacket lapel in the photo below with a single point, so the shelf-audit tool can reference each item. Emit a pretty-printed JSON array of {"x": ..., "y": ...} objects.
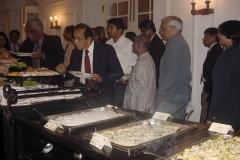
[
  {"x": 95, "y": 56},
  {"x": 44, "y": 43}
]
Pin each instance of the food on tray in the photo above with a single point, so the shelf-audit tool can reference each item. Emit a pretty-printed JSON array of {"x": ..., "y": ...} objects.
[
  {"x": 17, "y": 67},
  {"x": 85, "y": 117},
  {"x": 138, "y": 134},
  {"x": 13, "y": 74},
  {"x": 5, "y": 56},
  {"x": 18, "y": 64},
  {"x": 28, "y": 83},
  {"x": 221, "y": 148},
  {"x": 30, "y": 69},
  {"x": 79, "y": 73}
]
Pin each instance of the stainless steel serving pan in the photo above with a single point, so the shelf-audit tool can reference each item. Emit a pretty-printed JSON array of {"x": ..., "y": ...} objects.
[
  {"x": 124, "y": 114},
  {"x": 180, "y": 151},
  {"x": 151, "y": 123}
]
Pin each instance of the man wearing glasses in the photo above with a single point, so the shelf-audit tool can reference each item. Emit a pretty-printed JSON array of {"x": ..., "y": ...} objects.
[
  {"x": 174, "y": 91},
  {"x": 100, "y": 60},
  {"x": 123, "y": 48}
]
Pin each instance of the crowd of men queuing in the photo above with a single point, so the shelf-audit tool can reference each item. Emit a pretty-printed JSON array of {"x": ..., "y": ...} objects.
[{"x": 140, "y": 72}]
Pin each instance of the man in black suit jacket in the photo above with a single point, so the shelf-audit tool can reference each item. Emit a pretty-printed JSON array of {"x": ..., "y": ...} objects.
[
  {"x": 48, "y": 49},
  {"x": 50, "y": 53},
  {"x": 210, "y": 40},
  {"x": 104, "y": 64},
  {"x": 156, "y": 47}
]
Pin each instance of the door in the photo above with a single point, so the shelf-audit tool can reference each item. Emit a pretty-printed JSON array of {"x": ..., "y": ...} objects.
[
  {"x": 132, "y": 12},
  {"x": 28, "y": 12}
]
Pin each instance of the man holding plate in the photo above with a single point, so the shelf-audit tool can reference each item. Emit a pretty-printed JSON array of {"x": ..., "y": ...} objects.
[
  {"x": 48, "y": 50},
  {"x": 97, "y": 59}
]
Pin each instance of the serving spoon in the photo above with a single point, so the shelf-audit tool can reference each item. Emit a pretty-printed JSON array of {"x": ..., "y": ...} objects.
[{"x": 186, "y": 119}]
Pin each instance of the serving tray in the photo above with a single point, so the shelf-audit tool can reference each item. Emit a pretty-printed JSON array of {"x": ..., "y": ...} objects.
[
  {"x": 124, "y": 114},
  {"x": 151, "y": 124}
]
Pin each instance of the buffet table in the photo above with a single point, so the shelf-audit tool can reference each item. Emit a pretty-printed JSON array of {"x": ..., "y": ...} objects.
[
  {"x": 31, "y": 136},
  {"x": 75, "y": 142},
  {"x": 24, "y": 134}
]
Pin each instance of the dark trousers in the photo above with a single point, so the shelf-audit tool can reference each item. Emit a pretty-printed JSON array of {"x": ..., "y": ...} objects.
[
  {"x": 204, "y": 104},
  {"x": 119, "y": 92}
]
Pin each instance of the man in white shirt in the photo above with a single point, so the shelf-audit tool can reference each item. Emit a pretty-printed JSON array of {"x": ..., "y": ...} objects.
[
  {"x": 123, "y": 48},
  {"x": 14, "y": 36}
]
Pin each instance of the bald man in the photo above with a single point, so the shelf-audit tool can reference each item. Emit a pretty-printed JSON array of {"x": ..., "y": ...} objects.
[{"x": 141, "y": 89}]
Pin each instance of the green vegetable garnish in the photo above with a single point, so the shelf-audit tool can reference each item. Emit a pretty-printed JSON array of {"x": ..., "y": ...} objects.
[{"x": 20, "y": 64}]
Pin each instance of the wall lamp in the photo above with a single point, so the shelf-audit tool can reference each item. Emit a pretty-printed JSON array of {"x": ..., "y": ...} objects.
[
  {"x": 56, "y": 23},
  {"x": 204, "y": 11}
]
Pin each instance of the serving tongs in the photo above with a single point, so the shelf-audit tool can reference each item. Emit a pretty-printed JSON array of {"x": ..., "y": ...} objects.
[
  {"x": 154, "y": 154},
  {"x": 115, "y": 110},
  {"x": 186, "y": 119}
]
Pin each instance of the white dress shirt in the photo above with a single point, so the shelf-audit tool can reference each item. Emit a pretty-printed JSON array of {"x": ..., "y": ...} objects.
[
  {"x": 12, "y": 46},
  {"x": 123, "y": 48}
]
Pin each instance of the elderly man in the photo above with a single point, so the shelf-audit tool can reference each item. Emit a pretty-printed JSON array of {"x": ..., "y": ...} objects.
[
  {"x": 156, "y": 47},
  {"x": 48, "y": 50},
  {"x": 140, "y": 91},
  {"x": 210, "y": 40},
  {"x": 174, "y": 92},
  {"x": 123, "y": 48},
  {"x": 98, "y": 59}
]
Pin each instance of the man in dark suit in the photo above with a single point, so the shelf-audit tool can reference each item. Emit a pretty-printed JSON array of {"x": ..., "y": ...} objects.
[
  {"x": 98, "y": 59},
  {"x": 210, "y": 40},
  {"x": 48, "y": 50},
  {"x": 156, "y": 47}
]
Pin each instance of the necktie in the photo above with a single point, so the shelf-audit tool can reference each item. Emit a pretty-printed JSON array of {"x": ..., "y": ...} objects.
[
  {"x": 14, "y": 48},
  {"x": 36, "y": 62},
  {"x": 87, "y": 62}
]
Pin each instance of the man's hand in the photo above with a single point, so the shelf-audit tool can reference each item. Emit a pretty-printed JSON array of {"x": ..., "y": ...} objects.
[
  {"x": 61, "y": 69},
  {"x": 38, "y": 55},
  {"x": 96, "y": 78},
  {"x": 122, "y": 81}
]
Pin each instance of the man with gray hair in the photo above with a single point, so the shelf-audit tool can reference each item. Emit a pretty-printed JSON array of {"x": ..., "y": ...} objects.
[
  {"x": 141, "y": 89},
  {"x": 48, "y": 50},
  {"x": 174, "y": 92}
]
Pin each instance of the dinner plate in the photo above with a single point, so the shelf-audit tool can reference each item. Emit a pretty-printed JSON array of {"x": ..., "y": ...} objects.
[
  {"x": 81, "y": 74},
  {"x": 25, "y": 54}
]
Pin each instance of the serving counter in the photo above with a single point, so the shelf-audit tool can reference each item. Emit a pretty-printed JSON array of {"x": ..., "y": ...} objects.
[{"x": 24, "y": 135}]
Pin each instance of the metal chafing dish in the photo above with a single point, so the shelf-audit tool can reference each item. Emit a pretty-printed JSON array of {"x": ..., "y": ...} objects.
[
  {"x": 210, "y": 136},
  {"x": 151, "y": 123},
  {"x": 124, "y": 115}
]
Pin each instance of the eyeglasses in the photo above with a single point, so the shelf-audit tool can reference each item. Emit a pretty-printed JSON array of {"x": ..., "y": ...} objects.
[{"x": 79, "y": 39}]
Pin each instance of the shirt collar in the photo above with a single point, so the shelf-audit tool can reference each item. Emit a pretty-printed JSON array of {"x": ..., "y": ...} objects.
[
  {"x": 152, "y": 37},
  {"x": 90, "y": 48},
  {"x": 212, "y": 46}
]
